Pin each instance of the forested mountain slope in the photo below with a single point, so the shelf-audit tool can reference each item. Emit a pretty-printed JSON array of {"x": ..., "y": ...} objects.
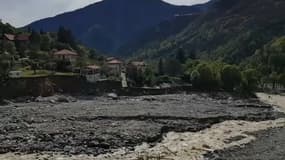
[{"x": 230, "y": 30}]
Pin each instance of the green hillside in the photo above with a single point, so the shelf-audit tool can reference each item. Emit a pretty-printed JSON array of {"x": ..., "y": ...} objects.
[{"x": 229, "y": 31}]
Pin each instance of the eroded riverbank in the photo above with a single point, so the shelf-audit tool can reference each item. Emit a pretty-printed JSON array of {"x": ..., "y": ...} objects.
[{"x": 100, "y": 126}]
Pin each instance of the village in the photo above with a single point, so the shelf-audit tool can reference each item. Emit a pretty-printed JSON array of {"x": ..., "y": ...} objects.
[{"x": 108, "y": 68}]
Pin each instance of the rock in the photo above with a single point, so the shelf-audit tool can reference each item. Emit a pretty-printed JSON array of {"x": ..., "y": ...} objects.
[
  {"x": 67, "y": 149},
  {"x": 4, "y": 102},
  {"x": 62, "y": 99},
  {"x": 152, "y": 98},
  {"x": 104, "y": 145},
  {"x": 39, "y": 99},
  {"x": 113, "y": 96},
  {"x": 21, "y": 99},
  {"x": 52, "y": 101}
]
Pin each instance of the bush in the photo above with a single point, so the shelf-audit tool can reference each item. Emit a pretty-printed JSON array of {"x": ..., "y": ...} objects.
[
  {"x": 249, "y": 80},
  {"x": 282, "y": 79},
  {"x": 203, "y": 77},
  {"x": 163, "y": 79},
  {"x": 230, "y": 77}
]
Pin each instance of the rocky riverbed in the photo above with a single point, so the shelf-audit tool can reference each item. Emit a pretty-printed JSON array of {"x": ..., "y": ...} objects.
[{"x": 94, "y": 128}]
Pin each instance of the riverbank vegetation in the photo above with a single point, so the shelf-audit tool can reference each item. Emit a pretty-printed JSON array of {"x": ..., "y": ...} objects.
[{"x": 265, "y": 69}]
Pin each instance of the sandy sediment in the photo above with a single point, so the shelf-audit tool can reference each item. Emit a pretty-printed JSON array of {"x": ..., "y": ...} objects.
[{"x": 277, "y": 100}]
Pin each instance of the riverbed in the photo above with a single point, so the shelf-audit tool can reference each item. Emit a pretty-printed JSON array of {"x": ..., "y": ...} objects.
[{"x": 164, "y": 126}]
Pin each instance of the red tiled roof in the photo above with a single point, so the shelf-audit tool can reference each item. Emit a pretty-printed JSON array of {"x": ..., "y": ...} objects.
[
  {"x": 23, "y": 37},
  {"x": 115, "y": 61},
  {"x": 10, "y": 37},
  {"x": 20, "y": 37},
  {"x": 66, "y": 52}
]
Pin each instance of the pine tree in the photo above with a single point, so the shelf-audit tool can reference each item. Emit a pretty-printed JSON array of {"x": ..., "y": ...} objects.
[
  {"x": 160, "y": 67},
  {"x": 181, "y": 56}
]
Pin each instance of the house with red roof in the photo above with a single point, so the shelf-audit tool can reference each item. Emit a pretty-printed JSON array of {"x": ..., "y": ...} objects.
[
  {"x": 92, "y": 73},
  {"x": 137, "y": 65},
  {"x": 66, "y": 55},
  {"x": 9, "y": 37},
  {"x": 18, "y": 38},
  {"x": 115, "y": 67}
]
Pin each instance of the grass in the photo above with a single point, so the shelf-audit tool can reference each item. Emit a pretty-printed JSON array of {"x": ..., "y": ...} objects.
[{"x": 44, "y": 73}]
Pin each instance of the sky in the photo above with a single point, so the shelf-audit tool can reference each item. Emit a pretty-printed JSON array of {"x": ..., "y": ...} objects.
[{"x": 22, "y": 12}]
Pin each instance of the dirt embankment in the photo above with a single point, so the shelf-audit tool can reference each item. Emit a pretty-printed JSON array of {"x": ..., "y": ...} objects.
[{"x": 98, "y": 126}]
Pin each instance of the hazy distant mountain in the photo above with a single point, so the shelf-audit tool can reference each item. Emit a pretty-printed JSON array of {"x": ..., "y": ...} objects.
[{"x": 110, "y": 24}]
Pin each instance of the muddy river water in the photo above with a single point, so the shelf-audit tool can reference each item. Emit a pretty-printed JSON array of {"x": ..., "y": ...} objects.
[{"x": 178, "y": 127}]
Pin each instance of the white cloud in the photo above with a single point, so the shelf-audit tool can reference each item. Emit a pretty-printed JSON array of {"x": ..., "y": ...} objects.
[{"x": 22, "y": 12}]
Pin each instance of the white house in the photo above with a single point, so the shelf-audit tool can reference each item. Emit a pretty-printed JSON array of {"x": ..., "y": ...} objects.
[
  {"x": 15, "y": 74},
  {"x": 92, "y": 73}
]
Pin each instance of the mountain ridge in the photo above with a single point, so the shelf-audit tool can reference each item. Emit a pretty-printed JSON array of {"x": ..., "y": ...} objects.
[{"x": 109, "y": 24}]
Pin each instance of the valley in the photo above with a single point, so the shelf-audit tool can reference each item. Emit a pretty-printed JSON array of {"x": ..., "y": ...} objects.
[{"x": 143, "y": 80}]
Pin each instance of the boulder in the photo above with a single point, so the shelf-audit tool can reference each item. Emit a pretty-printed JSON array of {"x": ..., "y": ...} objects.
[
  {"x": 63, "y": 99},
  {"x": 113, "y": 96}
]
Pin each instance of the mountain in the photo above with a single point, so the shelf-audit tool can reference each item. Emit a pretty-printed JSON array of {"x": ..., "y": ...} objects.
[
  {"x": 110, "y": 24},
  {"x": 230, "y": 30},
  {"x": 157, "y": 33}
]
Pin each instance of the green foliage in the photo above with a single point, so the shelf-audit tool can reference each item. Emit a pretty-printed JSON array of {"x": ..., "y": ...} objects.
[
  {"x": 5, "y": 66},
  {"x": 35, "y": 41},
  {"x": 273, "y": 79},
  {"x": 172, "y": 67},
  {"x": 203, "y": 77},
  {"x": 45, "y": 42},
  {"x": 230, "y": 77},
  {"x": 82, "y": 61},
  {"x": 160, "y": 67},
  {"x": 6, "y": 28},
  {"x": 250, "y": 79},
  {"x": 65, "y": 36},
  {"x": 34, "y": 66},
  {"x": 10, "y": 48},
  {"x": 163, "y": 79},
  {"x": 228, "y": 37},
  {"x": 148, "y": 77},
  {"x": 39, "y": 55},
  {"x": 195, "y": 78},
  {"x": 190, "y": 66},
  {"x": 180, "y": 56},
  {"x": 277, "y": 62},
  {"x": 282, "y": 79}
]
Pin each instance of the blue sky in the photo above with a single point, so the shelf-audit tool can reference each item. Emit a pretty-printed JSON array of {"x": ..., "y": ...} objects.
[{"x": 22, "y": 12}]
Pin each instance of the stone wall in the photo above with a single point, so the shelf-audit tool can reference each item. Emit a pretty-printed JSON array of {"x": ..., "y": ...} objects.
[
  {"x": 47, "y": 86},
  {"x": 154, "y": 91},
  {"x": 75, "y": 85}
]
